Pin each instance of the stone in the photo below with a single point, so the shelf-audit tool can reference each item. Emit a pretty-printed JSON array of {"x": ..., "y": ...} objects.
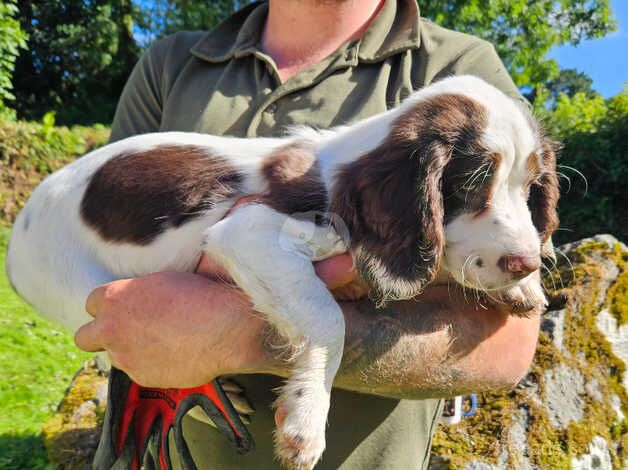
[
  {"x": 553, "y": 324},
  {"x": 598, "y": 458},
  {"x": 592, "y": 387},
  {"x": 71, "y": 435},
  {"x": 479, "y": 465},
  {"x": 564, "y": 388},
  {"x": 518, "y": 440},
  {"x": 616, "y": 405},
  {"x": 616, "y": 335}
]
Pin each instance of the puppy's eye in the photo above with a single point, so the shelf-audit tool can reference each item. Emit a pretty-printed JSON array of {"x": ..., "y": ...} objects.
[{"x": 468, "y": 182}]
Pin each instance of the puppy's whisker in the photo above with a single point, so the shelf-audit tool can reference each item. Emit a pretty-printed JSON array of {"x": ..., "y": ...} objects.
[
  {"x": 469, "y": 184},
  {"x": 550, "y": 273},
  {"x": 484, "y": 293},
  {"x": 564, "y": 176},
  {"x": 573, "y": 272},
  {"x": 464, "y": 282},
  {"x": 554, "y": 268},
  {"x": 488, "y": 293},
  {"x": 462, "y": 279},
  {"x": 164, "y": 217},
  {"x": 579, "y": 173}
]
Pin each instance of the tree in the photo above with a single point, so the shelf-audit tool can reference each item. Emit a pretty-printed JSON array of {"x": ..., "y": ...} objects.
[
  {"x": 159, "y": 18},
  {"x": 523, "y": 31},
  {"x": 594, "y": 134},
  {"x": 80, "y": 53},
  {"x": 12, "y": 39},
  {"x": 569, "y": 82}
]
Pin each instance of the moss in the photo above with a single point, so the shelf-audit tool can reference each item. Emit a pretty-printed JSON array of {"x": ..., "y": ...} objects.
[
  {"x": 618, "y": 293},
  {"x": 585, "y": 350},
  {"x": 71, "y": 435},
  {"x": 474, "y": 437}
]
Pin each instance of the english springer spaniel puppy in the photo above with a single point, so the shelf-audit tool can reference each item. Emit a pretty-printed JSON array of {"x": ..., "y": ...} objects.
[{"x": 457, "y": 183}]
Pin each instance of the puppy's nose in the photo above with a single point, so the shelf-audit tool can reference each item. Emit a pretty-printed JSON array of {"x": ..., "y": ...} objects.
[{"x": 519, "y": 266}]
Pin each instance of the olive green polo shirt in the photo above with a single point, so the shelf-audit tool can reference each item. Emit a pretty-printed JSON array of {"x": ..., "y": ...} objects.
[{"x": 221, "y": 82}]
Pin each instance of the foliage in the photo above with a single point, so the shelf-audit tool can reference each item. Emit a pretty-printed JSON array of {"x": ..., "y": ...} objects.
[
  {"x": 80, "y": 53},
  {"x": 594, "y": 133},
  {"x": 158, "y": 18},
  {"x": 37, "y": 361},
  {"x": 29, "y": 151},
  {"x": 12, "y": 39},
  {"x": 568, "y": 82},
  {"x": 522, "y": 31}
]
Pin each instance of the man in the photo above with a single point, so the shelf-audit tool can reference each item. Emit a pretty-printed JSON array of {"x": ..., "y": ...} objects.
[{"x": 321, "y": 63}]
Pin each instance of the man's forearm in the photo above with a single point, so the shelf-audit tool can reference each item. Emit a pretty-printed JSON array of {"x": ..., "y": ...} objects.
[
  {"x": 428, "y": 348},
  {"x": 196, "y": 330}
]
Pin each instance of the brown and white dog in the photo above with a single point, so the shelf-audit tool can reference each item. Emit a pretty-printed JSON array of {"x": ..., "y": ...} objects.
[{"x": 457, "y": 182}]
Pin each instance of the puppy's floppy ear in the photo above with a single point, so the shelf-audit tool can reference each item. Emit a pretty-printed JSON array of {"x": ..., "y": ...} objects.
[
  {"x": 544, "y": 192},
  {"x": 391, "y": 202}
]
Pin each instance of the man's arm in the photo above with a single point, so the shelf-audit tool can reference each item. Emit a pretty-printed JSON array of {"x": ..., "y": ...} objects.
[
  {"x": 437, "y": 346},
  {"x": 181, "y": 330}
]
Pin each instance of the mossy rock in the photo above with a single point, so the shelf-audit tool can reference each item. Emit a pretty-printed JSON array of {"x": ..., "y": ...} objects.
[
  {"x": 71, "y": 435},
  {"x": 569, "y": 410}
]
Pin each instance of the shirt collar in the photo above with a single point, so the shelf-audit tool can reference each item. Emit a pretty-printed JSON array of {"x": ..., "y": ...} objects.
[{"x": 395, "y": 28}]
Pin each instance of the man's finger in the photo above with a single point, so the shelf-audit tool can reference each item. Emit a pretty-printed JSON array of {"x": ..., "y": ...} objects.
[
  {"x": 89, "y": 337},
  {"x": 336, "y": 271},
  {"x": 94, "y": 301}
]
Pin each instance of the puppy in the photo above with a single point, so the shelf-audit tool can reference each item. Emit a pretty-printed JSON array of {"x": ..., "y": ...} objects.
[{"x": 457, "y": 182}]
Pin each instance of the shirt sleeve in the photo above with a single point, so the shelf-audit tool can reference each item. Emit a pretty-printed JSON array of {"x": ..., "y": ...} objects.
[{"x": 140, "y": 106}]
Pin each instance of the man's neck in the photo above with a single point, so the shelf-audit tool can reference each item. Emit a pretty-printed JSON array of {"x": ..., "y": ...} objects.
[{"x": 301, "y": 33}]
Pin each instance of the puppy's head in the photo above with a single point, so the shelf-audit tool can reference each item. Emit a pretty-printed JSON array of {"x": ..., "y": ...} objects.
[{"x": 464, "y": 185}]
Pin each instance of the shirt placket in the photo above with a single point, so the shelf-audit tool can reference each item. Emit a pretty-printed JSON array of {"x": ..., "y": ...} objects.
[{"x": 264, "y": 116}]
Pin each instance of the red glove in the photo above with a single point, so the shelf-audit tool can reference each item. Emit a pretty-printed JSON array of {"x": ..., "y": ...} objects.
[{"x": 138, "y": 416}]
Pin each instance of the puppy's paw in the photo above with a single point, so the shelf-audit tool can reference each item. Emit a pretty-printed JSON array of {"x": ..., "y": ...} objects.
[{"x": 300, "y": 434}]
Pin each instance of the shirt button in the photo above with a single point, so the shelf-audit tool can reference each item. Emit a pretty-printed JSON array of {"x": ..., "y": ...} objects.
[
  {"x": 272, "y": 107},
  {"x": 349, "y": 54}
]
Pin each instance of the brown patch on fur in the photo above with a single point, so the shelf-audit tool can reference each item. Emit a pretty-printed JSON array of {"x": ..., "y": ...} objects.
[
  {"x": 392, "y": 198},
  {"x": 135, "y": 197},
  {"x": 544, "y": 192},
  {"x": 544, "y": 187},
  {"x": 533, "y": 165},
  {"x": 294, "y": 180}
]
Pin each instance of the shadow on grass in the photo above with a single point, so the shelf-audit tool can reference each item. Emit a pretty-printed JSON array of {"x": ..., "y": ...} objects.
[
  {"x": 22, "y": 451},
  {"x": 72, "y": 449}
]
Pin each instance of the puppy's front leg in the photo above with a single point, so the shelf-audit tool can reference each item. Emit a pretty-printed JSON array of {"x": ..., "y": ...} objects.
[{"x": 270, "y": 257}]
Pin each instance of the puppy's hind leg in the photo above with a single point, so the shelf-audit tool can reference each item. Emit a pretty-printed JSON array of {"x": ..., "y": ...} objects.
[{"x": 274, "y": 267}]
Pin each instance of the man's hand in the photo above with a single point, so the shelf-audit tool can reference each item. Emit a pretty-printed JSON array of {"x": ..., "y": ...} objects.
[{"x": 182, "y": 330}]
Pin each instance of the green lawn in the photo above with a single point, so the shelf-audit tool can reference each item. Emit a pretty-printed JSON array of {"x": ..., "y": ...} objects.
[{"x": 37, "y": 361}]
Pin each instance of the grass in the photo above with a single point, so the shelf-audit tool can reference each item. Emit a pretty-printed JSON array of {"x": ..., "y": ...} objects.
[{"x": 37, "y": 361}]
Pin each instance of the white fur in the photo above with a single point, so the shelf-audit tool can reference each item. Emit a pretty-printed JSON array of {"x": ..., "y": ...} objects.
[{"x": 59, "y": 259}]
